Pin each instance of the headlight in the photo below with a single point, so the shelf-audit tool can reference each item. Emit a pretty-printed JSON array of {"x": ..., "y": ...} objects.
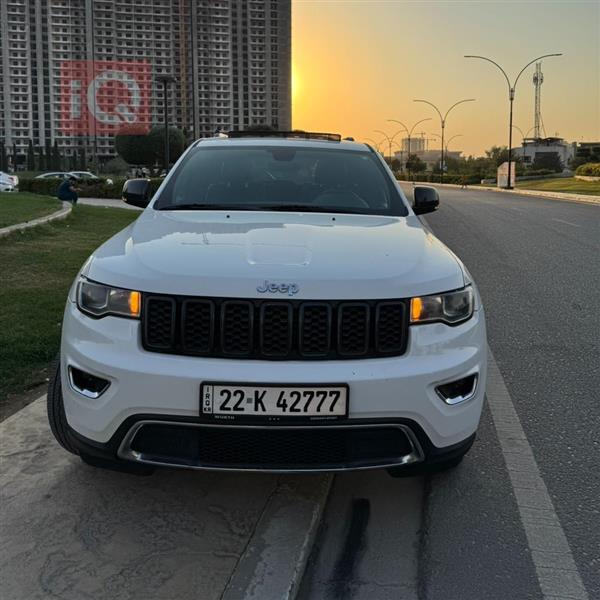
[
  {"x": 451, "y": 308},
  {"x": 101, "y": 300}
]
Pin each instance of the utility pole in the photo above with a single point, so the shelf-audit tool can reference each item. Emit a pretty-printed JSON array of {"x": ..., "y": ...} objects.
[{"x": 166, "y": 80}]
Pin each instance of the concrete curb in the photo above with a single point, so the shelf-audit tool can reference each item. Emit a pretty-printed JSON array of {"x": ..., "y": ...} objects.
[
  {"x": 59, "y": 214},
  {"x": 582, "y": 198},
  {"x": 275, "y": 558}
]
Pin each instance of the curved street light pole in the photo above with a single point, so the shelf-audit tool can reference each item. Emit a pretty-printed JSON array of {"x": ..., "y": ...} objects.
[
  {"x": 390, "y": 141},
  {"x": 523, "y": 139},
  {"x": 511, "y": 97},
  {"x": 443, "y": 125},
  {"x": 409, "y": 132},
  {"x": 376, "y": 144},
  {"x": 448, "y": 142}
]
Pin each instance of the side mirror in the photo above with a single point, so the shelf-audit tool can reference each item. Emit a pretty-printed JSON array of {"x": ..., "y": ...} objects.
[
  {"x": 426, "y": 199},
  {"x": 137, "y": 192}
]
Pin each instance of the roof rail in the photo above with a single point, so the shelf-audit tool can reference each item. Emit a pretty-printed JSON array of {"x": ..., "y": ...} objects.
[{"x": 305, "y": 135}]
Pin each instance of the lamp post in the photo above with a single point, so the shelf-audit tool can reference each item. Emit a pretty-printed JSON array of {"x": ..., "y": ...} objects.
[
  {"x": 511, "y": 97},
  {"x": 522, "y": 138},
  {"x": 166, "y": 79},
  {"x": 443, "y": 126},
  {"x": 409, "y": 134},
  {"x": 390, "y": 141}
]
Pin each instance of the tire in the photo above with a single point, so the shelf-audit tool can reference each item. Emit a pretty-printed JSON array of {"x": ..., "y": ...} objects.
[{"x": 56, "y": 410}]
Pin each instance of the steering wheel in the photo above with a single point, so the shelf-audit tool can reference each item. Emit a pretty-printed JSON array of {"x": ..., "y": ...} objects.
[{"x": 342, "y": 198}]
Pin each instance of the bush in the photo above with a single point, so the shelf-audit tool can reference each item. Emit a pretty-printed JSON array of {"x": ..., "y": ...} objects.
[
  {"x": 49, "y": 187},
  {"x": 589, "y": 169},
  {"x": 535, "y": 172},
  {"x": 448, "y": 178}
]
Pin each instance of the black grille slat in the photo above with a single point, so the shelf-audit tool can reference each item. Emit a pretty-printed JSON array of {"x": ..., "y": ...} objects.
[
  {"x": 237, "y": 327},
  {"x": 274, "y": 329},
  {"x": 315, "y": 329},
  {"x": 390, "y": 331},
  {"x": 271, "y": 448},
  {"x": 197, "y": 331},
  {"x": 353, "y": 329},
  {"x": 159, "y": 322}
]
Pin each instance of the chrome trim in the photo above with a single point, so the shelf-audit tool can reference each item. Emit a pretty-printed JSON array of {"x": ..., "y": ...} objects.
[
  {"x": 126, "y": 453},
  {"x": 458, "y": 399},
  {"x": 83, "y": 391}
]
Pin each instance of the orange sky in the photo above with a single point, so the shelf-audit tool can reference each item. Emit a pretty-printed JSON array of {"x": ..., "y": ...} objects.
[{"x": 357, "y": 63}]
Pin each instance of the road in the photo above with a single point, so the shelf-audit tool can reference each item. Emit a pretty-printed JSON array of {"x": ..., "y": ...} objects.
[
  {"x": 537, "y": 265},
  {"x": 510, "y": 522}
]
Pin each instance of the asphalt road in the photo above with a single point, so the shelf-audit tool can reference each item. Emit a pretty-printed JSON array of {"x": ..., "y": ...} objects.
[{"x": 537, "y": 265}]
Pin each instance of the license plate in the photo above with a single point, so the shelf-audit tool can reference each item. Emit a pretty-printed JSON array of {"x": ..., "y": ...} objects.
[{"x": 231, "y": 400}]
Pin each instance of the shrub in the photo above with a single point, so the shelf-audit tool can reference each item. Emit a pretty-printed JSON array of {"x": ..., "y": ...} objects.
[
  {"x": 87, "y": 189},
  {"x": 589, "y": 169}
]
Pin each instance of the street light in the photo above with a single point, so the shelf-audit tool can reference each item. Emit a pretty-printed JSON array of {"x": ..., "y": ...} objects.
[
  {"x": 511, "y": 97},
  {"x": 390, "y": 141},
  {"x": 409, "y": 137},
  {"x": 166, "y": 80},
  {"x": 443, "y": 125},
  {"x": 523, "y": 139}
]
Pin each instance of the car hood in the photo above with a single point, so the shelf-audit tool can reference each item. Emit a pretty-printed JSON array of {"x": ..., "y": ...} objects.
[{"x": 231, "y": 254}]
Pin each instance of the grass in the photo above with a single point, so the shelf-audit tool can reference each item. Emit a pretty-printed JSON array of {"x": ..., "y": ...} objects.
[
  {"x": 43, "y": 263},
  {"x": 20, "y": 207},
  {"x": 569, "y": 185}
]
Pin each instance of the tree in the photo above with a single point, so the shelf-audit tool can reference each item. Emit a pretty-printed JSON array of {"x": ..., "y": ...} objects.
[
  {"x": 30, "y": 157},
  {"x": 56, "y": 158},
  {"x": 547, "y": 160},
  {"x": 498, "y": 155},
  {"x": 3, "y": 157},
  {"x": 148, "y": 149},
  {"x": 415, "y": 165}
]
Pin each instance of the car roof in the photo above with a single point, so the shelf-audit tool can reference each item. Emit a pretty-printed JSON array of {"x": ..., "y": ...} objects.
[{"x": 294, "y": 142}]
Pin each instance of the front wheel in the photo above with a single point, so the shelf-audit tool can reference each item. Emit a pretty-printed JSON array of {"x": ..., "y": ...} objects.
[{"x": 56, "y": 410}]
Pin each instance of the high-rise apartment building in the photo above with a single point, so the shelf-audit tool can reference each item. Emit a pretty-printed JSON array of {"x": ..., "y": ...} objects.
[{"x": 231, "y": 60}]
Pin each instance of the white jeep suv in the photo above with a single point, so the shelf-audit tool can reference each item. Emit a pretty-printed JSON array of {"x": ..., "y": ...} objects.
[{"x": 278, "y": 306}]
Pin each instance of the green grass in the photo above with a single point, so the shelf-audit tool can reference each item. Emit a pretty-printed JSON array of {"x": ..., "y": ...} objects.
[
  {"x": 569, "y": 185},
  {"x": 38, "y": 267},
  {"x": 20, "y": 207}
]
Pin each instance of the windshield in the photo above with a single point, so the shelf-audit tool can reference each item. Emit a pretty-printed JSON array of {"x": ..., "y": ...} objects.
[{"x": 282, "y": 178}]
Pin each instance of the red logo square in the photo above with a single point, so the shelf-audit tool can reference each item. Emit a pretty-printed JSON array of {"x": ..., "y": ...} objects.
[{"x": 103, "y": 96}]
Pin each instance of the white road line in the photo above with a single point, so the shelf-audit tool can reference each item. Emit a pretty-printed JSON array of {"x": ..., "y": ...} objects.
[
  {"x": 555, "y": 567},
  {"x": 566, "y": 222}
]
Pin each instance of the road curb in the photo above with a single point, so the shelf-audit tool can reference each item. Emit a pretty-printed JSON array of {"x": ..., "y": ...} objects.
[
  {"x": 66, "y": 209},
  {"x": 581, "y": 198},
  {"x": 275, "y": 558}
]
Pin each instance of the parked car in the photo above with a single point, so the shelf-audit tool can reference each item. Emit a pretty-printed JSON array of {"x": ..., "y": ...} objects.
[
  {"x": 8, "y": 182},
  {"x": 53, "y": 175},
  {"x": 84, "y": 175},
  {"x": 278, "y": 306}
]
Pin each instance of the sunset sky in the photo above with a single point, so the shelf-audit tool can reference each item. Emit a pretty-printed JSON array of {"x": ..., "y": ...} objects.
[{"x": 357, "y": 63}]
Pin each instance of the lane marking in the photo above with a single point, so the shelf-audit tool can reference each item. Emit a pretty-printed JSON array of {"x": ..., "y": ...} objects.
[
  {"x": 566, "y": 222},
  {"x": 555, "y": 566}
]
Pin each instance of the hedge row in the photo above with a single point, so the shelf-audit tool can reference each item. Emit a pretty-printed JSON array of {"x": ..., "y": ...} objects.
[
  {"x": 457, "y": 179},
  {"x": 87, "y": 189},
  {"x": 589, "y": 169}
]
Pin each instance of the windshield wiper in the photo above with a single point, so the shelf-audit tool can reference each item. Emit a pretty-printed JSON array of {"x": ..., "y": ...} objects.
[
  {"x": 311, "y": 208},
  {"x": 199, "y": 206}
]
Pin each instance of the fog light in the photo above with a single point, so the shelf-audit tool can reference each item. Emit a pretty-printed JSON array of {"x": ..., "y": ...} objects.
[
  {"x": 86, "y": 384},
  {"x": 459, "y": 390}
]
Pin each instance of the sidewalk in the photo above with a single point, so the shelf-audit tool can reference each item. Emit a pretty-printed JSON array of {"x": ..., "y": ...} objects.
[{"x": 73, "y": 531}]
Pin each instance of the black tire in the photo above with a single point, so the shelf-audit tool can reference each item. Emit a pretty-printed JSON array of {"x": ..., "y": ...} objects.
[{"x": 56, "y": 410}]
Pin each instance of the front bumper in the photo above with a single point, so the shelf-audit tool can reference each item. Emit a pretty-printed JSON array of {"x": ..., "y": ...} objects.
[{"x": 395, "y": 392}]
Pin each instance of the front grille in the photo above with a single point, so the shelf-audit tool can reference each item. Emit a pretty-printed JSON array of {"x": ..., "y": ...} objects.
[
  {"x": 271, "y": 448},
  {"x": 274, "y": 330}
]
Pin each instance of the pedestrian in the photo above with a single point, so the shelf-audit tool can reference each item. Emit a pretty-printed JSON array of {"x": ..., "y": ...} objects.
[
  {"x": 67, "y": 190},
  {"x": 463, "y": 183}
]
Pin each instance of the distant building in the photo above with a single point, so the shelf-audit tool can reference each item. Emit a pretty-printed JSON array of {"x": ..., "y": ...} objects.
[
  {"x": 587, "y": 150},
  {"x": 532, "y": 148},
  {"x": 231, "y": 59},
  {"x": 430, "y": 157},
  {"x": 417, "y": 144}
]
